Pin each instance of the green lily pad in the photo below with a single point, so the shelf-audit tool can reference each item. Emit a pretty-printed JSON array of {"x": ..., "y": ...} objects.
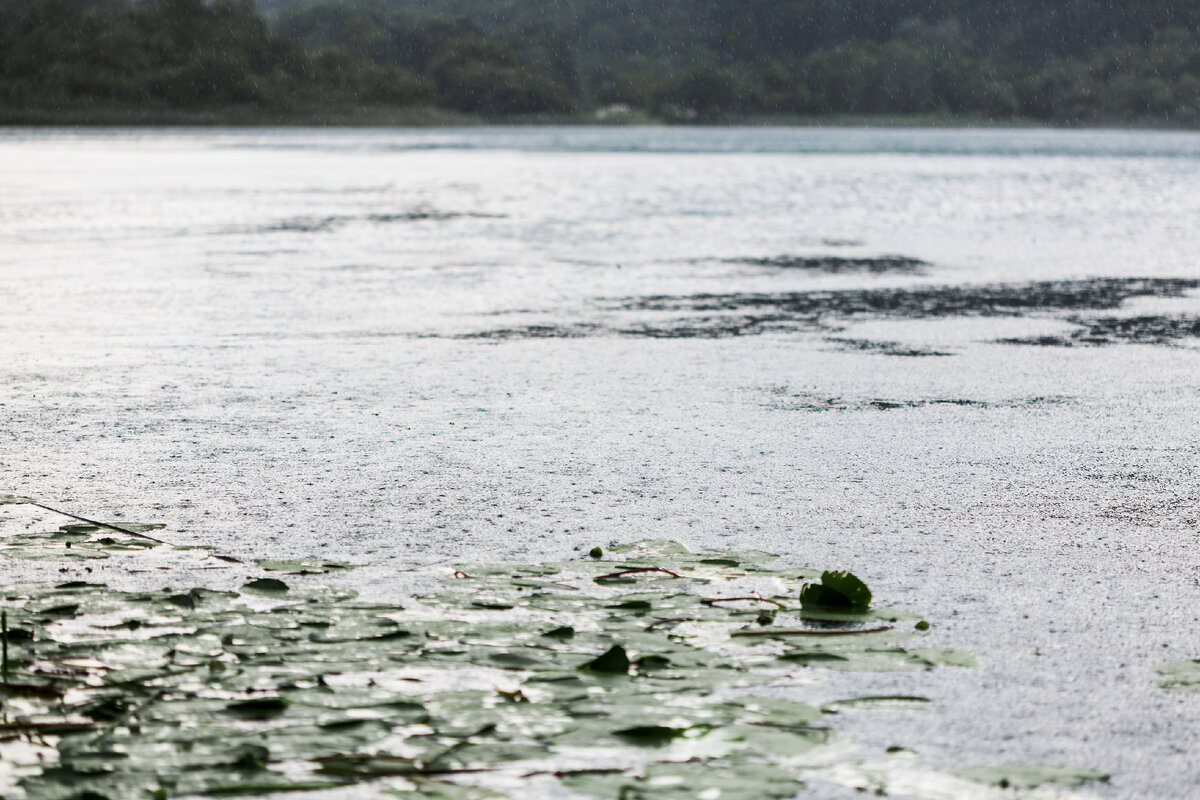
[
  {"x": 682, "y": 782},
  {"x": 305, "y": 567},
  {"x": 442, "y": 790},
  {"x": 613, "y": 661},
  {"x": 76, "y": 542},
  {"x": 272, "y": 587},
  {"x": 837, "y": 590},
  {"x": 650, "y": 547},
  {"x": 506, "y": 670},
  {"x": 1180, "y": 676},
  {"x": 894, "y": 701}
]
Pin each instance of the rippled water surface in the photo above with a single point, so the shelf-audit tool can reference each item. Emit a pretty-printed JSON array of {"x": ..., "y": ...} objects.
[{"x": 964, "y": 364}]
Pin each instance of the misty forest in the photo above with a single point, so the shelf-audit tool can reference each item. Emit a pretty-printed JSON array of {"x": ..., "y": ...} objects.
[{"x": 1054, "y": 61}]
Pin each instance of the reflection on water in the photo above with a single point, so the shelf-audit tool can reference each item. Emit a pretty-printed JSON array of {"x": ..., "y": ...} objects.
[{"x": 663, "y": 140}]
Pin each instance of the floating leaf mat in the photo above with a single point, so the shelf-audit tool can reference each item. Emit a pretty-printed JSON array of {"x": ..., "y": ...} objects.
[{"x": 645, "y": 674}]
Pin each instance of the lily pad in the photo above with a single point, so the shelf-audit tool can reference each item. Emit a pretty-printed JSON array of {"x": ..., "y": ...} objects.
[
  {"x": 1180, "y": 676},
  {"x": 303, "y": 567},
  {"x": 687, "y": 781},
  {"x": 837, "y": 590},
  {"x": 272, "y": 587},
  {"x": 893, "y": 701},
  {"x": 613, "y": 661},
  {"x": 504, "y": 673}
]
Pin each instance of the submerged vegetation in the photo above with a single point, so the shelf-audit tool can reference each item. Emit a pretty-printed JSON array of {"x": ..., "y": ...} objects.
[
  {"x": 1091, "y": 304},
  {"x": 1060, "y": 61},
  {"x": 645, "y": 671}
]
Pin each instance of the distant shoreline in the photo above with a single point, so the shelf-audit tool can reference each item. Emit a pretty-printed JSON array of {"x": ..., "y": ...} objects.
[{"x": 427, "y": 117}]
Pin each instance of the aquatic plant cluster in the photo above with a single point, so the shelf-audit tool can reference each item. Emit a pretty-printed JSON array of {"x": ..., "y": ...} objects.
[
  {"x": 649, "y": 670},
  {"x": 1055, "y": 61},
  {"x": 1087, "y": 304}
]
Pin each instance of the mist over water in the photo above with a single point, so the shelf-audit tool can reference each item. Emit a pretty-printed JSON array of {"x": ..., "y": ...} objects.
[{"x": 962, "y": 363}]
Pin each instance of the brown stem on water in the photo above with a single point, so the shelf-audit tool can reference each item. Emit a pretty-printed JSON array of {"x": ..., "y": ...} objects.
[
  {"x": 810, "y": 633},
  {"x": 712, "y": 601},
  {"x": 638, "y": 571},
  {"x": 787, "y": 727}
]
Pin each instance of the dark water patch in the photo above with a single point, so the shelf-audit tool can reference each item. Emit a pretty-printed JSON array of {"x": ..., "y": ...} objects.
[
  {"x": 939, "y": 301},
  {"x": 785, "y": 400},
  {"x": 303, "y": 225},
  {"x": 836, "y": 264},
  {"x": 885, "y": 348},
  {"x": 1127, "y": 478},
  {"x": 720, "y": 316},
  {"x": 718, "y": 327},
  {"x": 325, "y": 224},
  {"x": 427, "y": 215},
  {"x": 715, "y": 327},
  {"x": 1116, "y": 330},
  {"x": 576, "y": 331}
]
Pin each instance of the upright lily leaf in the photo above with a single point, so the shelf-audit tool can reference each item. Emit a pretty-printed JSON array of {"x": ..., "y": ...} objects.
[
  {"x": 266, "y": 586},
  {"x": 614, "y": 661},
  {"x": 837, "y": 590},
  {"x": 1180, "y": 676}
]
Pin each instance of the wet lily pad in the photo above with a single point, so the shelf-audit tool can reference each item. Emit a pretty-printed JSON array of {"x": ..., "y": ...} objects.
[
  {"x": 272, "y": 587},
  {"x": 504, "y": 671},
  {"x": 896, "y": 701},
  {"x": 686, "y": 781},
  {"x": 613, "y": 661},
  {"x": 76, "y": 542},
  {"x": 303, "y": 567},
  {"x": 1180, "y": 676},
  {"x": 837, "y": 590}
]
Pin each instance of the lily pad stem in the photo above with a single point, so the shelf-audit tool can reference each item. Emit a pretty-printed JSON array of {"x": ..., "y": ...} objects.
[
  {"x": 117, "y": 528},
  {"x": 640, "y": 570},
  {"x": 811, "y": 633},
  {"x": 712, "y": 601}
]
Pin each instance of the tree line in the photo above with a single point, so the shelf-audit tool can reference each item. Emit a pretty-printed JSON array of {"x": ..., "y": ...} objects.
[{"x": 1067, "y": 61}]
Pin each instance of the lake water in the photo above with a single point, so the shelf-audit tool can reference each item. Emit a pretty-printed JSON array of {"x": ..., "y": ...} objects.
[{"x": 964, "y": 364}]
